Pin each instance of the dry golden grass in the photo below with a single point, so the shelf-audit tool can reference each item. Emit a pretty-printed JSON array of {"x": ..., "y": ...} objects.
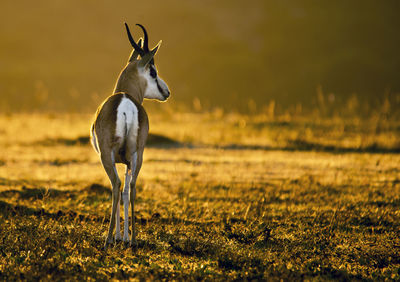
[{"x": 232, "y": 197}]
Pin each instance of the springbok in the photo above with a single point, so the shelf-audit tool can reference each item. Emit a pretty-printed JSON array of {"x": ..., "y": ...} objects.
[{"x": 120, "y": 129}]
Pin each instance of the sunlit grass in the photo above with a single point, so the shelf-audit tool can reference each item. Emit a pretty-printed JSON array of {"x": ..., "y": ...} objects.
[{"x": 235, "y": 196}]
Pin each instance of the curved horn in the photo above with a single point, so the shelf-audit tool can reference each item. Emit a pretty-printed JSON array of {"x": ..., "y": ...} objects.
[
  {"x": 146, "y": 39},
  {"x": 135, "y": 53},
  {"x": 133, "y": 43}
]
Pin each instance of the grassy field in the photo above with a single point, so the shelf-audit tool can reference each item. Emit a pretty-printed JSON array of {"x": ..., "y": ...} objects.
[{"x": 220, "y": 196}]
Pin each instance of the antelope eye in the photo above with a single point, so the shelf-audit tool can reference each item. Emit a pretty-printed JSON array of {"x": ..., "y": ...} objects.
[{"x": 153, "y": 73}]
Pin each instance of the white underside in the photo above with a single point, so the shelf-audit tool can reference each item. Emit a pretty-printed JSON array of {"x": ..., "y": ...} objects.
[
  {"x": 127, "y": 129},
  {"x": 127, "y": 126}
]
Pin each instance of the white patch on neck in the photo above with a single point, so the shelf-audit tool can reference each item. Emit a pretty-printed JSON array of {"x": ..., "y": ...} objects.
[{"x": 127, "y": 127}]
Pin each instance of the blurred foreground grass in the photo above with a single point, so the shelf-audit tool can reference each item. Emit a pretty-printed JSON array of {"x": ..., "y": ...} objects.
[{"x": 226, "y": 196}]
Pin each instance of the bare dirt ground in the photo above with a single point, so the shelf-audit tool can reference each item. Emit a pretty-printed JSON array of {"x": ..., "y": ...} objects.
[{"x": 219, "y": 197}]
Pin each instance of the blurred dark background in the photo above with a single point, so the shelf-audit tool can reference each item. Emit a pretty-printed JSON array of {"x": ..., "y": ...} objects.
[{"x": 66, "y": 55}]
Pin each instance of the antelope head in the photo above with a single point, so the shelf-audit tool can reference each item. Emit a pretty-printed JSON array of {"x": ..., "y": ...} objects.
[{"x": 141, "y": 64}]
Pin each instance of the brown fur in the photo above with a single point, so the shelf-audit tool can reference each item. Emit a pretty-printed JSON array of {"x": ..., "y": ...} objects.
[
  {"x": 109, "y": 145},
  {"x": 124, "y": 85},
  {"x": 105, "y": 126},
  {"x": 112, "y": 149}
]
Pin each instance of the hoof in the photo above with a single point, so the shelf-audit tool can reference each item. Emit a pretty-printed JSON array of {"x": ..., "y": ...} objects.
[
  {"x": 133, "y": 244},
  {"x": 126, "y": 239},
  {"x": 107, "y": 244}
]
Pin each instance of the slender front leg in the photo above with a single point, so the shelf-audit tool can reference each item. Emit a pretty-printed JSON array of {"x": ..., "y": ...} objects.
[
  {"x": 108, "y": 162},
  {"x": 125, "y": 195},
  {"x": 118, "y": 236}
]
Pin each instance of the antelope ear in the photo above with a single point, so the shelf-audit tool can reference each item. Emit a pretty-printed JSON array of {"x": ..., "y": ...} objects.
[
  {"x": 154, "y": 51},
  {"x": 147, "y": 58},
  {"x": 135, "y": 53}
]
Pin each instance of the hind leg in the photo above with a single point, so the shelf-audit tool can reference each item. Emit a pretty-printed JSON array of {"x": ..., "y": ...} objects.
[
  {"x": 118, "y": 236},
  {"x": 108, "y": 161},
  {"x": 136, "y": 164},
  {"x": 125, "y": 197}
]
